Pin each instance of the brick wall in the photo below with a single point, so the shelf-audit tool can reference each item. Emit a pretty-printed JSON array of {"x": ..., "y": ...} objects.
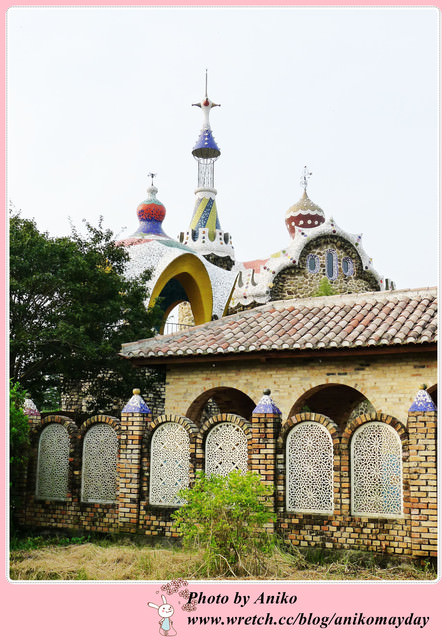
[
  {"x": 387, "y": 381},
  {"x": 413, "y": 533}
]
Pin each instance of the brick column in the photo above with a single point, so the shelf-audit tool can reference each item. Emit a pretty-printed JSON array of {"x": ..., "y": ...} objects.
[
  {"x": 266, "y": 424},
  {"x": 134, "y": 417},
  {"x": 422, "y": 425}
]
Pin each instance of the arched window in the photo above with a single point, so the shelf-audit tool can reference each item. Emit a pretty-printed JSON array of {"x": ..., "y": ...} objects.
[
  {"x": 313, "y": 263},
  {"x": 376, "y": 468},
  {"x": 309, "y": 469},
  {"x": 52, "y": 463},
  {"x": 169, "y": 464},
  {"x": 331, "y": 264},
  {"x": 99, "y": 464},
  {"x": 226, "y": 450},
  {"x": 347, "y": 266}
]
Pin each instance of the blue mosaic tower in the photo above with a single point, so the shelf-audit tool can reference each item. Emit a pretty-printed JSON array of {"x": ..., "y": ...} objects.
[{"x": 205, "y": 234}]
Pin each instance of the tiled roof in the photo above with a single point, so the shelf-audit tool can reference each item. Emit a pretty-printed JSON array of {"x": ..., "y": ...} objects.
[{"x": 375, "y": 319}]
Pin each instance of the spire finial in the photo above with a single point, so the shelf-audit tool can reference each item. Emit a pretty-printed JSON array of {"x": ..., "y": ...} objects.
[
  {"x": 206, "y": 83},
  {"x": 152, "y": 176},
  {"x": 305, "y": 177}
]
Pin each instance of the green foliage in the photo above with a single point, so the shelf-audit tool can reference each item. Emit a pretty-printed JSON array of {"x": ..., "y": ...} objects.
[
  {"x": 226, "y": 516},
  {"x": 71, "y": 307},
  {"x": 18, "y": 427},
  {"x": 324, "y": 288},
  {"x": 18, "y": 444}
]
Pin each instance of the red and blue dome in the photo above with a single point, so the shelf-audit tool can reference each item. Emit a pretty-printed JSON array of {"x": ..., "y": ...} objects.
[{"x": 151, "y": 213}]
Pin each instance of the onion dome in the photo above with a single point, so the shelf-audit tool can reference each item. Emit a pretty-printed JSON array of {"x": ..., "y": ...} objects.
[
  {"x": 305, "y": 214},
  {"x": 151, "y": 213}
]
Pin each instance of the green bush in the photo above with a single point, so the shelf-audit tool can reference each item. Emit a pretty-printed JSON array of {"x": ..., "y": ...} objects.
[
  {"x": 226, "y": 517},
  {"x": 324, "y": 288},
  {"x": 18, "y": 443}
]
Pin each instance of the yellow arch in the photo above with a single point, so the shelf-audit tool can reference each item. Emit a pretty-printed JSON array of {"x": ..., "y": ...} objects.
[{"x": 194, "y": 278}]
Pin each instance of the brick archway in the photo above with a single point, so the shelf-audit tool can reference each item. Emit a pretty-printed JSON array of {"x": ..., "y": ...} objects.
[
  {"x": 337, "y": 401},
  {"x": 220, "y": 400}
]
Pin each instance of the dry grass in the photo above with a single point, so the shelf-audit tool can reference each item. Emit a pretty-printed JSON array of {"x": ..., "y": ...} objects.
[{"x": 90, "y": 561}]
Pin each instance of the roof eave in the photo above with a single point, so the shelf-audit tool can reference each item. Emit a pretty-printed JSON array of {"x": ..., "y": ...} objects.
[{"x": 262, "y": 356}]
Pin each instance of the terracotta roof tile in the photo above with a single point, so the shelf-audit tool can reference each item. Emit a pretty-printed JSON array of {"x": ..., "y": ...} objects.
[{"x": 348, "y": 321}]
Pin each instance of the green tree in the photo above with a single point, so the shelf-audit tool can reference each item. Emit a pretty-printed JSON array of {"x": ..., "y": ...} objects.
[
  {"x": 18, "y": 442},
  {"x": 71, "y": 307},
  {"x": 324, "y": 288},
  {"x": 225, "y": 516}
]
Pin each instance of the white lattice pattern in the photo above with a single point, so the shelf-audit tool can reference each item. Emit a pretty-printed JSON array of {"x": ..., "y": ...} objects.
[
  {"x": 99, "y": 464},
  {"x": 52, "y": 463},
  {"x": 226, "y": 450},
  {"x": 169, "y": 471},
  {"x": 376, "y": 471},
  {"x": 309, "y": 469}
]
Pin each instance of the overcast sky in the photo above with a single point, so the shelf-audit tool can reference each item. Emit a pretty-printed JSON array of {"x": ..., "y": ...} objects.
[{"x": 97, "y": 98}]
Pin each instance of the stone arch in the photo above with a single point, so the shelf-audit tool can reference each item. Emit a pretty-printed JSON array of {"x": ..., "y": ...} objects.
[
  {"x": 205, "y": 430},
  {"x": 191, "y": 430},
  {"x": 184, "y": 279},
  {"x": 220, "y": 400},
  {"x": 337, "y": 401},
  {"x": 281, "y": 470},
  {"x": 89, "y": 476},
  {"x": 346, "y": 461}
]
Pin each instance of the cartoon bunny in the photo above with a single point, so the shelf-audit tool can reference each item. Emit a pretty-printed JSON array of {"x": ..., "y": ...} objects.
[{"x": 165, "y": 610}]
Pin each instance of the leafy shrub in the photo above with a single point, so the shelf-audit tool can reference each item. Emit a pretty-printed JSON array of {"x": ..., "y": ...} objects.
[
  {"x": 18, "y": 443},
  {"x": 324, "y": 288},
  {"x": 226, "y": 516}
]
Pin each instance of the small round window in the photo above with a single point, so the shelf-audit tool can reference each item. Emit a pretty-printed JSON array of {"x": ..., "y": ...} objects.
[
  {"x": 331, "y": 264},
  {"x": 313, "y": 263},
  {"x": 347, "y": 266}
]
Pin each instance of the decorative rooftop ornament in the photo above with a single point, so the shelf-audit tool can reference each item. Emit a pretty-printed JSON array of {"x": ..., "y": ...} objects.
[
  {"x": 266, "y": 404},
  {"x": 151, "y": 213},
  {"x": 136, "y": 404},
  {"x": 29, "y": 408},
  {"x": 206, "y": 147},
  {"x": 423, "y": 401},
  {"x": 305, "y": 214},
  {"x": 205, "y": 234}
]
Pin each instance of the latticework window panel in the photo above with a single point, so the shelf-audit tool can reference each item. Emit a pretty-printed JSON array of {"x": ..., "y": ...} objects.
[
  {"x": 99, "y": 464},
  {"x": 52, "y": 463},
  {"x": 226, "y": 450},
  {"x": 376, "y": 467},
  {"x": 169, "y": 470},
  {"x": 309, "y": 469}
]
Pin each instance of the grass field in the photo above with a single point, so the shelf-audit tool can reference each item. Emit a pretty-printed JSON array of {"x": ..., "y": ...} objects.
[{"x": 80, "y": 559}]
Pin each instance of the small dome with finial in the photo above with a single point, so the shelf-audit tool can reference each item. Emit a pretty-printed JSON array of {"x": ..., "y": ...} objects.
[
  {"x": 305, "y": 214},
  {"x": 151, "y": 213}
]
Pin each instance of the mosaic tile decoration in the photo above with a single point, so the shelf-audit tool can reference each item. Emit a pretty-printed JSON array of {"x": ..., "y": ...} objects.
[
  {"x": 136, "y": 405},
  {"x": 206, "y": 146},
  {"x": 266, "y": 405},
  {"x": 29, "y": 408},
  {"x": 255, "y": 286},
  {"x": 423, "y": 402}
]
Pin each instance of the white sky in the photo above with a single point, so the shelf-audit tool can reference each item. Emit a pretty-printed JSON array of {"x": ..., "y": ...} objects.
[{"x": 97, "y": 98}]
